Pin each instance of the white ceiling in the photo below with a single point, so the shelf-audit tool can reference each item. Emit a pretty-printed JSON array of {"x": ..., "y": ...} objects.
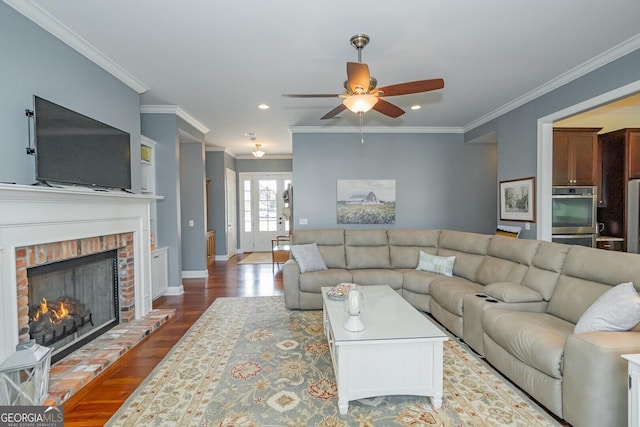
[{"x": 217, "y": 60}]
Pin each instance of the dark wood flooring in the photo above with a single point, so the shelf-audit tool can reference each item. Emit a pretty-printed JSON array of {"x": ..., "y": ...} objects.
[{"x": 97, "y": 402}]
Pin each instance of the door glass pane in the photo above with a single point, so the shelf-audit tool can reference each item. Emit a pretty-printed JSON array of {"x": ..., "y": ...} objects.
[
  {"x": 246, "y": 196},
  {"x": 267, "y": 205}
]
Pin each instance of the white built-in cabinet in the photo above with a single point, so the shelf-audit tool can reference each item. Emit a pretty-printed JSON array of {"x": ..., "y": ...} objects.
[
  {"x": 634, "y": 389},
  {"x": 159, "y": 272},
  {"x": 159, "y": 256}
]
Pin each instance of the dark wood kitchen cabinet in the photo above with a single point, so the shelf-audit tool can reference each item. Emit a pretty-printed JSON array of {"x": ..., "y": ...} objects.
[
  {"x": 575, "y": 156},
  {"x": 620, "y": 163},
  {"x": 632, "y": 137}
]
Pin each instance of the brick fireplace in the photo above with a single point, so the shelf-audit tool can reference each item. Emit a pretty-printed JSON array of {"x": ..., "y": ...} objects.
[
  {"x": 39, "y": 225},
  {"x": 55, "y": 253}
]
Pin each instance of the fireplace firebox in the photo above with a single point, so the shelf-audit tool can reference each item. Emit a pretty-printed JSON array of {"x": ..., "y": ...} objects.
[{"x": 71, "y": 302}]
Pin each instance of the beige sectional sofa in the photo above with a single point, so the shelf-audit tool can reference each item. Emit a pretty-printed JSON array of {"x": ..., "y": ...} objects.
[{"x": 515, "y": 302}]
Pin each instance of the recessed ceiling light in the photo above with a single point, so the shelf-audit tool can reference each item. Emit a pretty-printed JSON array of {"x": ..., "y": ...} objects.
[
  {"x": 416, "y": 107},
  {"x": 263, "y": 107}
]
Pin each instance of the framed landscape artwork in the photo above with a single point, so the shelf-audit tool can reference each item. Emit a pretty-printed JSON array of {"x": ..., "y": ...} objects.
[
  {"x": 366, "y": 201},
  {"x": 517, "y": 200}
]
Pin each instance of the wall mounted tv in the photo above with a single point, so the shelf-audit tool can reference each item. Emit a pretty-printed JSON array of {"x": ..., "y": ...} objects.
[{"x": 74, "y": 149}]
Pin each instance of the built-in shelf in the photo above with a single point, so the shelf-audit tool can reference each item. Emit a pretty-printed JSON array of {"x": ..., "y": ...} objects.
[{"x": 148, "y": 182}]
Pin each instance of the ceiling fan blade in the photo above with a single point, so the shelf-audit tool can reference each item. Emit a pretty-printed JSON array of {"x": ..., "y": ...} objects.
[
  {"x": 339, "y": 109},
  {"x": 411, "y": 87},
  {"x": 358, "y": 77},
  {"x": 311, "y": 95},
  {"x": 388, "y": 109}
]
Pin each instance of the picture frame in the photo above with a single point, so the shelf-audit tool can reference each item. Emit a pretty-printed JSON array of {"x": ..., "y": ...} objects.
[
  {"x": 366, "y": 201},
  {"x": 518, "y": 199}
]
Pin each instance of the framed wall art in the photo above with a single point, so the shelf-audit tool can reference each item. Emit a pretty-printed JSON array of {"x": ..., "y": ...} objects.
[
  {"x": 366, "y": 201},
  {"x": 517, "y": 200}
]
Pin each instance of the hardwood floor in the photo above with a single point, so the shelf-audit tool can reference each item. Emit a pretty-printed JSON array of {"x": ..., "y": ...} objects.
[{"x": 97, "y": 402}]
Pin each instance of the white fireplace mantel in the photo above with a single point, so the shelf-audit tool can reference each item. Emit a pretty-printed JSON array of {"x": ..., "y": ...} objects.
[{"x": 31, "y": 215}]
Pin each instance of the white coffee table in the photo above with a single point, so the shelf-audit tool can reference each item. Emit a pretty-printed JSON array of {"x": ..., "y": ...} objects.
[{"x": 398, "y": 353}]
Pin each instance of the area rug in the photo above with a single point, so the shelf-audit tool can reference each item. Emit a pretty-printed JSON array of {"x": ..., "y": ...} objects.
[
  {"x": 257, "y": 258},
  {"x": 251, "y": 362}
]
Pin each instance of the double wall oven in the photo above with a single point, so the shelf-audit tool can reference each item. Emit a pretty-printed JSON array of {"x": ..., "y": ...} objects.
[{"x": 574, "y": 215}]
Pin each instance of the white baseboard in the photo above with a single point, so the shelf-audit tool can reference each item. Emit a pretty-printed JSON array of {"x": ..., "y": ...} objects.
[
  {"x": 174, "y": 290},
  {"x": 194, "y": 274}
]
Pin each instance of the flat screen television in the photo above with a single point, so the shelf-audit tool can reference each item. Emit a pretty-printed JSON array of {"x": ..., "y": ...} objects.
[{"x": 75, "y": 149}]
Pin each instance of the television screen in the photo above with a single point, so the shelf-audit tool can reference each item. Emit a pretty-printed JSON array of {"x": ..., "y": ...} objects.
[{"x": 74, "y": 149}]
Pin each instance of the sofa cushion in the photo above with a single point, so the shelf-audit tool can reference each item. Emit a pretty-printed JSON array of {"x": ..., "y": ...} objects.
[
  {"x": 468, "y": 248},
  {"x": 507, "y": 260},
  {"x": 436, "y": 264},
  {"x": 405, "y": 246},
  {"x": 449, "y": 292},
  {"x": 314, "y": 280},
  {"x": 511, "y": 292},
  {"x": 618, "y": 309},
  {"x": 330, "y": 243},
  {"x": 536, "y": 339},
  {"x": 418, "y": 281},
  {"x": 373, "y": 276},
  {"x": 544, "y": 271},
  {"x": 367, "y": 249},
  {"x": 308, "y": 257}
]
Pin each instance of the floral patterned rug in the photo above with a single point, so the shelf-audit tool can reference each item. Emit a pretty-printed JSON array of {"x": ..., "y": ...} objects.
[{"x": 251, "y": 362}]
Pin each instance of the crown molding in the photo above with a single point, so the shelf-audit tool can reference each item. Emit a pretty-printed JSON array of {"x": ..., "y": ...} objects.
[
  {"x": 45, "y": 20},
  {"x": 374, "y": 129},
  {"x": 603, "y": 59},
  {"x": 174, "y": 109}
]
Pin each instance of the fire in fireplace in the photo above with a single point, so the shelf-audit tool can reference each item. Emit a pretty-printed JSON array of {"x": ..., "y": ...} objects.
[
  {"x": 73, "y": 301},
  {"x": 50, "y": 322}
]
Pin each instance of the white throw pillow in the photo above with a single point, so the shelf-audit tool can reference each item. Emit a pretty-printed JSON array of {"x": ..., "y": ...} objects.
[
  {"x": 436, "y": 264},
  {"x": 618, "y": 309},
  {"x": 308, "y": 257}
]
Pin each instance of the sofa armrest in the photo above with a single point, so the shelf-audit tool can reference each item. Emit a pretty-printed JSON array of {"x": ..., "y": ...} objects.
[
  {"x": 511, "y": 292},
  {"x": 291, "y": 284},
  {"x": 594, "y": 384}
]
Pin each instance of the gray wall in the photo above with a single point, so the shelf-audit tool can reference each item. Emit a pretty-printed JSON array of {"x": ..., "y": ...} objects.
[
  {"x": 441, "y": 182},
  {"x": 216, "y": 164},
  {"x": 36, "y": 63},
  {"x": 192, "y": 205},
  {"x": 264, "y": 165},
  {"x": 517, "y": 132},
  {"x": 163, "y": 128}
]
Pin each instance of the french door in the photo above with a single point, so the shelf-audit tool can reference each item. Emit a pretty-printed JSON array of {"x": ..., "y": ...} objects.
[{"x": 261, "y": 205}]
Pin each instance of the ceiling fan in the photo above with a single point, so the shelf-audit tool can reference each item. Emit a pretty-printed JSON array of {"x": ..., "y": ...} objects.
[{"x": 361, "y": 93}]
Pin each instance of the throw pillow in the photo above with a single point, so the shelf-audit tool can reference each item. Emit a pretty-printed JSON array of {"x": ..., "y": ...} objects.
[
  {"x": 308, "y": 257},
  {"x": 436, "y": 264},
  {"x": 511, "y": 292},
  {"x": 618, "y": 309}
]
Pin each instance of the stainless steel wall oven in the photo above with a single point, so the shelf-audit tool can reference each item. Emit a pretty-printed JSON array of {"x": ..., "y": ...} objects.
[{"x": 574, "y": 214}]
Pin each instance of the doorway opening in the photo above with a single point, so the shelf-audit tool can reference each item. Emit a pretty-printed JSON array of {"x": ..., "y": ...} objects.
[{"x": 261, "y": 209}]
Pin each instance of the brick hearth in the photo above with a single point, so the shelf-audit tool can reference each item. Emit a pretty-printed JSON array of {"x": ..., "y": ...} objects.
[
  {"x": 77, "y": 369},
  {"x": 83, "y": 365}
]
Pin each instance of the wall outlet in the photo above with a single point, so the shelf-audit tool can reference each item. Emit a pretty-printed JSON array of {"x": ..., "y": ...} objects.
[
  {"x": 191, "y": 223},
  {"x": 527, "y": 226},
  {"x": 303, "y": 221}
]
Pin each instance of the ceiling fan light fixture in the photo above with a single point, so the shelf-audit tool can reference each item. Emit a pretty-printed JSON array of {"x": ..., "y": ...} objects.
[
  {"x": 360, "y": 103},
  {"x": 257, "y": 152}
]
